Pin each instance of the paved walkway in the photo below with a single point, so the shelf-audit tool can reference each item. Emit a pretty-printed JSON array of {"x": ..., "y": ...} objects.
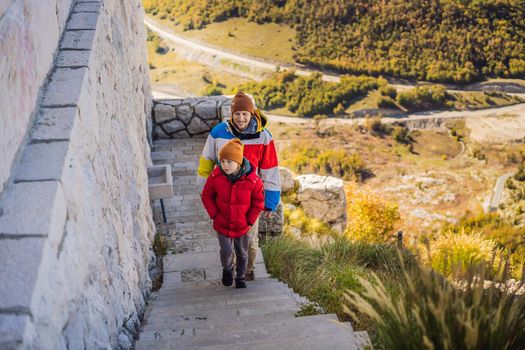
[{"x": 193, "y": 310}]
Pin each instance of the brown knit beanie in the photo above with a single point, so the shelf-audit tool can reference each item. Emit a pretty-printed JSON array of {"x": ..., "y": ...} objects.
[
  {"x": 242, "y": 102},
  {"x": 233, "y": 150}
]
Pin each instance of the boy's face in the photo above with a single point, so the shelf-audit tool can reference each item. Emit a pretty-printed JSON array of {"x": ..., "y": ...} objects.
[
  {"x": 229, "y": 166},
  {"x": 241, "y": 119}
]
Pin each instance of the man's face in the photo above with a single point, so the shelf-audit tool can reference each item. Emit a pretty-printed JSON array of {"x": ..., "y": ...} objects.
[
  {"x": 229, "y": 166},
  {"x": 242, "y": 119}
]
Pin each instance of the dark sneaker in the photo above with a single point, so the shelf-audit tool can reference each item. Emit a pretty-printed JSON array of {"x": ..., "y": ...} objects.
[
  {"x": 250, "y": 276},
  {"x": 240, "y": 283},
  {"x": 227, "y": 278}
]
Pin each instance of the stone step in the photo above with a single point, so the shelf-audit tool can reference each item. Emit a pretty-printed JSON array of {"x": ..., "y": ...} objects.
[
  {"x": 218, "y": 306},
  {"x": 298, "y": 328},
  {"x": 222, "y": 327},
  {"x": 212, "y": 306},
  {"x": 216, "y": 285},
  {"x": 178, "y": 279},
  {"x": 239, "y": 321},
  {"x": 179, "y": 295},
  {"x": 230, "y": 312},
  {"x": 194, "y": 260},
  {"x": 228, "y": 294}
]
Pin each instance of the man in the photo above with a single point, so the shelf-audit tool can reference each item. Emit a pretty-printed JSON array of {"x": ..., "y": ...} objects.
[{"x": 249, "y": 125}]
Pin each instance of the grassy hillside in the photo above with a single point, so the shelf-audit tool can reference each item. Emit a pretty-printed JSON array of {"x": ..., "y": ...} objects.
[
  {"x": 434, "y": 40},
  {"x": 167, "y": 68}
]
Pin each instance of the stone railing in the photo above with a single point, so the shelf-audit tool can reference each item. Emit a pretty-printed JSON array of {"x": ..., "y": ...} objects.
[{"x": 75, "y": 219}]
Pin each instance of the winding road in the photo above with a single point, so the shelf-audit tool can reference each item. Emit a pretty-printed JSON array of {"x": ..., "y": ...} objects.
[
  {"x": 167, "y": 34},
  {"x": 497, "y": 193}
]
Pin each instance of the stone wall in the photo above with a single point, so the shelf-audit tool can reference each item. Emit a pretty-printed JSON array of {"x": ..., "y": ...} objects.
[
  {"x": 189, "y": 117},
  {"x": 29, "y": 35},
  {"x": 75, "y": 218}
]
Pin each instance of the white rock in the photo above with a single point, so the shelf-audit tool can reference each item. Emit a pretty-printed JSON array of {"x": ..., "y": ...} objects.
[
  {"x": 287, "y": 182},
  {"x": 323, "y": 197}
]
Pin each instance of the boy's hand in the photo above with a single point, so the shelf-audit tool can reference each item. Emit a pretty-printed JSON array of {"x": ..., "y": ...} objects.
[{"x": 268, "y": 214}]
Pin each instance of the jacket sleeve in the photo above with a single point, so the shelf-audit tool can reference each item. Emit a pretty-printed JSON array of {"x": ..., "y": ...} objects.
[
  {"x": 257, "y": 203},
  {"x": 269, "y": 172},
  {"x": 206, "y": 162},
  {"x": 208, "y": 198}
]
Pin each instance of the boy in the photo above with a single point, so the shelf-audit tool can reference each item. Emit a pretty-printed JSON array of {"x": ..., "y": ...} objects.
[
  {"x": 233, "y": 196},
  {"x": 249, "y": 125}
]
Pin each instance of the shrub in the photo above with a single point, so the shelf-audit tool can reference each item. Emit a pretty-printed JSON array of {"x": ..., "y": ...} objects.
[
  {"x": 388, "y": 90},
  {"x": 386, "y": 102},
  {"x": 430, "y": 313},
  {"x": 453, "y": 254},
  {"x": 401, "y": 134},
  {"x": 423, "y": 97},
  {"x": 370, "y": 218},
  {"x": 308, "y": 225},
  {"x": 211, "y": 90},
  {"x": 376, "y": 127},
  {"x": 520, "y": 174}
]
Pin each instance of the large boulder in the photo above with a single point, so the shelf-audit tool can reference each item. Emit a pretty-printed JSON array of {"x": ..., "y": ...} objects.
[
  {"x": 323, "y": 197},
  {"x": 287, "y": 182}
]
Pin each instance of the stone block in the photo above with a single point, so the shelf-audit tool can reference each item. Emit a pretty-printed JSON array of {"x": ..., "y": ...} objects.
[
  {"x": 184, "y": 113},
  {"x": 160, "y": 182},
  {"x": 78, "y": 40},
  {"x": 87, "y": 7},
  {"x": 42, "y": 161},
  {"x": 206, "y": 110},
  {"x": 73, "y": 58},
  {"x": 163, "y": 113},
  {"x": 174, "y": 126},
  {"x": 65, "y": 87},
  {"x": 197, "y": 126},
  {"x": 41, "y": 201},
  {"x": 82, "y": 21},
  {"x": 53, "y": 124},
  {"x": 19, "y": 265},
  {"x": 13, "y": 330},
  {"x": 226, "y": 111}
]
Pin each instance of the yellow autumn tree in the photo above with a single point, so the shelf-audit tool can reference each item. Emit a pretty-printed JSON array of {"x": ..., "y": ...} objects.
[{"x": 370, "y": 217}]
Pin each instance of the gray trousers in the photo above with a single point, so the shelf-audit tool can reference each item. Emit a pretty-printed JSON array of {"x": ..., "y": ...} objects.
[{"x": 240, "y": 245}]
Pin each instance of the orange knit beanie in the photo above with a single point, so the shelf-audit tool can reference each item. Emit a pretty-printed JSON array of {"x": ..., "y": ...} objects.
[{"x": 233, "y": 150}]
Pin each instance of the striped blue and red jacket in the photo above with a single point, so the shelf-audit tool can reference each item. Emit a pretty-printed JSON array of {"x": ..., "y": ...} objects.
[{"x": 259, "y": 149}]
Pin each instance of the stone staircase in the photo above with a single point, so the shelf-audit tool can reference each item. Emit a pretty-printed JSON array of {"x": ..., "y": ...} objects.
[{"x": 193, "y": 310}]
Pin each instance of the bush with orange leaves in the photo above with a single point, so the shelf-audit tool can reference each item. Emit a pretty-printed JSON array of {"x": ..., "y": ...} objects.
[{"x": 370, "y": 217}]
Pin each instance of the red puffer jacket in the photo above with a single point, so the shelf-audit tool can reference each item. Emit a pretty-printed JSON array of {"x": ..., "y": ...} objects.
[{"x": 234, "y": 207}]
